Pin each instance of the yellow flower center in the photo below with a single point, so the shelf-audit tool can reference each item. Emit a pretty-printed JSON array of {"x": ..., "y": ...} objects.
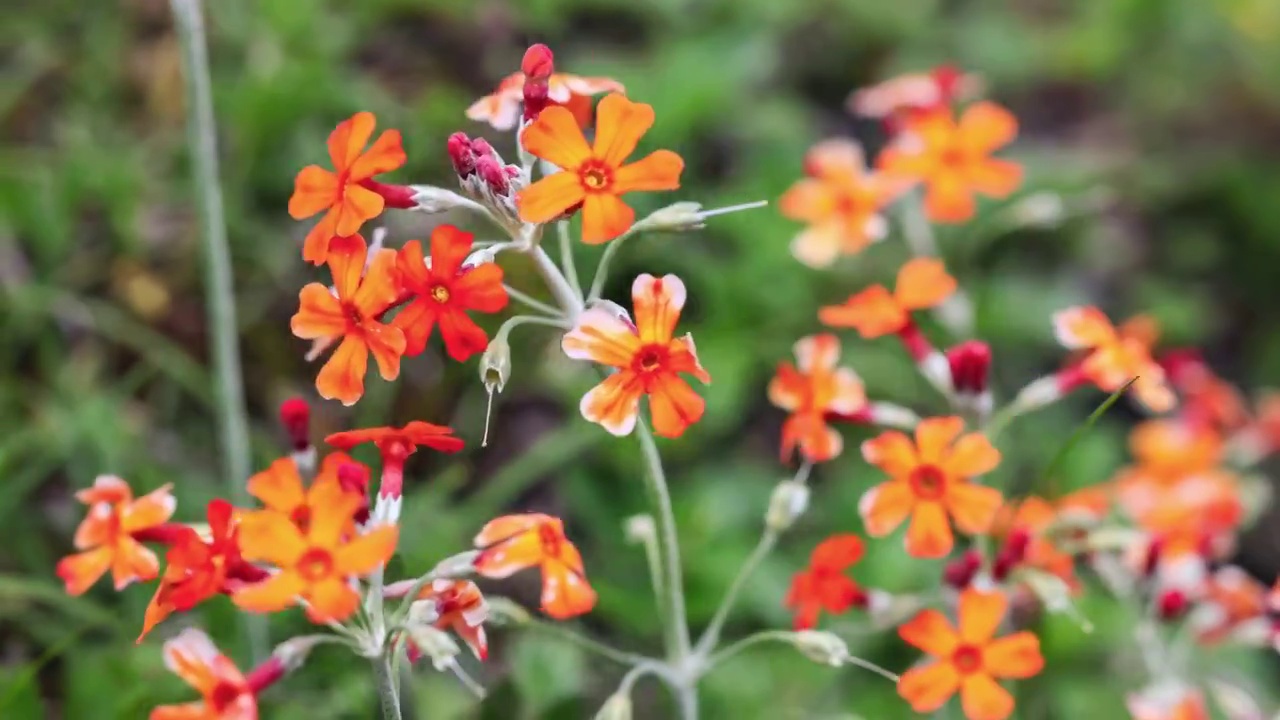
[
  {"x": 315, "y": 565},
  {"x": 928, "y": 482},
  {"x": 595, "y": 176},
  {"x": 440, "y": 294}
]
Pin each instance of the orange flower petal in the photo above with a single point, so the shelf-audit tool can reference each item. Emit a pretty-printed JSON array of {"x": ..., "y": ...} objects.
[
  {"x": 985, "y": 127},
  {"x": 508, "y": 526},
  {"x": 674, "y": 406},
  {"x": 314, "y": 189},
  {"x": 837, "y": 552},
  {"x": 891, "y": 451},
  {"x": 819, "y": 245},
  {"x": 186, "y": 711},
  {"x": 319, "y": 314},
  {"x": 96, "y": 528},
  {"x": 554, "y": 136},
  {"x": 315, "y": 247},
  {"x": 359, "y": 204},
  {"x": 1016, "y": 656},
  {"x": 885, "y": 506},
  {"x": 659, "y": 170},
  {"x": 367, "y": 552},
  {"x": 835, "y": 159},
  {"x": 1083, "y": 327},
  {"x": 449, "y": 247},
  {"x": 980, "y": 614},
  {"x": 972, "y": 455},
  {"x": 347, "y": 141},
  {"x": 929, "y": 535},
  {"x": 928, "y": 688},
  {"x": 874, "y": 312},
  {"x": 818, "y": 441},
  {"x": 620, "y": 124},
  {"x": 331, "y": 600},
  {"x": 984, "y": 699},
  {"x": 948, "y": 198},
  {"x": 380, "y": 287},
  {"x": 1151, "y": 390},
  {"x": 510, "y": 556},
  {"x": 787, "y": 389},
  {"x": 848, "y": 394},
  {"x": 565, "y": 591},
  {"x": 480, "y": 288},
  {"x": 996, "y": 178},
  {"x": 346, "y": 261},
  {"x": 386, "y": 154},
  {"x": 331, "y": 515},
  {"x": 80, "y": 571},
  {"x": 157, "y": 610},
  {"x": 462, "y": 337},
  {"x": 274, "y": 594},
  {"x": 808, "y": 200},
  {"x": 191, "y": 656},
  {"x": 973, "y": 507},
  {"x": 931, "y": 632},
  {"x": 279, "y": 487},
  {"x": 270, "y": 536},
  {"x": 386, "y": 343},
  {"x": 342, "y": 377},
  {"x": 605, "y": 217},
  {"x": 615, "y": 403},
  {"x": 923, "y": 283},
  {"x": 107, "y": 489},
  {"x": 149, "y": 510},
  {"x": 934, "y": 437},
  {"x": 817, "y": 352},
  {"x": 601, "y": 336},
  {"x": 657, "y": 303},
  {"x": 132, "y": 562},
  {"x": 550, "y": 197}
]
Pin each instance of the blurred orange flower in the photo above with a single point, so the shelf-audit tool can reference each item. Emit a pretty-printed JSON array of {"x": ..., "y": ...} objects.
[
  {"x": 1035, "y": 516},
  {"x": 1232, "y": 602},
  {"x": 594, "y": 177},
  {"x": 106, "y": 535},
  {"x": 904, "y": 96},
  {"x": 501, "y": 108},
  {"x": 647, "y": 357},
  {"x": 1113, "y": 359},
  {"x": 444, "y": 289},
  {"x": 225, "y": 693},
  {"x": 969, "y": 660},
  {"x": 930, "y": 480},
  {"x": 953, "y": 159},
  {"x": 1168, "y": 700},
  {"x": 809, "y": 391},
  {"x": 875, "y": 312},
  {"x": 460, "y": 607},
  {"x": 280, "y": 489},
  {"x": 840, "y": 201},
  {"x": 400, "y": 441},
  {"x": 823, "y": 585},
  {"x": 352, "y": 311},
  {"x": 514, "y": 542},
  {"x": 347, "y": 204},
  {"x": 316, "y": 565}
]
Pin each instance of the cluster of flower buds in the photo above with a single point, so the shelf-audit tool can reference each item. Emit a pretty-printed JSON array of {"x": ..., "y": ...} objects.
[{"x": 484, "y": 176}]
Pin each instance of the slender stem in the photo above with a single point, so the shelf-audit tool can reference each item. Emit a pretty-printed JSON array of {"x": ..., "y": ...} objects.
[
  {"x": 566, "y": 257},
  {"x": 602, "y": 269},
  {"x": 560, "y": 288},
  {"x": 653, "y": 558},
  {"x": 388, "y": 692},
  {"x": 712, "y": 634},
  {"x": 532, "y": 302},
  {"x": 586, "y": 643},
  {"x": 514, "y": 322},
  {"x": 746, "y": 642},
  {"x": 220, "y": 284},
  {"x": 956, "y": 312},
  {"x": 660, "y": 498}
]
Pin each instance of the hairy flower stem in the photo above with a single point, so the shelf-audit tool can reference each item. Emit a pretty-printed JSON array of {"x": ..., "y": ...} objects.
[
  {"x": 388, "y": 694},
  {"x": 220, "y": 284},
  {"x": 711, "y": 637}
]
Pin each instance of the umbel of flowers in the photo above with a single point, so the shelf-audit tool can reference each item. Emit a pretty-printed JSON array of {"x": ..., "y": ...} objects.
[{"x": 321, "y": 529}]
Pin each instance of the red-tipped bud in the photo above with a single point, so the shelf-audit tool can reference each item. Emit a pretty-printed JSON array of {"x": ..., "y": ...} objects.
[
  {"x": 1171, "y": 604},
  {"x": 400, "y": 197},
  {"x": 536, "y": 99},
  {"x": 970, "y": 363},
  {"x": 960, "y": 572},
  {"x": 1152, "y": 561},
  {"x": 1011, "y": 554},
  {"x": 538, "y": 62},
  {"x": 265, "y": 675},
  {"x": 947, "y": 77},
  {"x": 295, "y": 416},
  {"x": 490, "y": 169},
  {"x": 481, "y": 148},
  {"x": 916, "y": 343},
  {"x": 461, "y": 154}
]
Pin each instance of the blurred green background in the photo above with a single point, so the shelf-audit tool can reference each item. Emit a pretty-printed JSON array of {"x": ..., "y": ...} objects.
[{"x": 1157, "y": 120}]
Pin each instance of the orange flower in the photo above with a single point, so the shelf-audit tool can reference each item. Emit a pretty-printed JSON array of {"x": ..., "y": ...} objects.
[
  {"x": 647, "y": 357},
  {"x": 594, "y": 177},
  {"x": 1168, "y": 700},
  {"x": 840, "y": 201},
  {"x": 823, "y": 585},
  {"x": 226, "y": 693},
  {"x": 280, "y": 489},
  {"x": 316, "y": 565},
  {"x": 953, "y": 158},
  {"x": 444, "y": 290},
  {"x": 1113, "y": 360},
  {"x": 514, "y": 542},
  {"x": 341, "y": 193},
  {"x": 812, "y": 391},
  {"x": 969, "y": 660},
  {"x": 875, "y": 312},
  {"x": 1035, "y": 516},
  {"x": 399, "y": 442},
  {"x": 106, "y": 535},
  {"x": 501, "y": 109},
  {"x": 930, "y": 480},
  {"x": 354, "y": 316},
  {"x": 914, "y": 93},
  {"x": 1233, "y": 602},
  {"x": 460, "y": 607}
]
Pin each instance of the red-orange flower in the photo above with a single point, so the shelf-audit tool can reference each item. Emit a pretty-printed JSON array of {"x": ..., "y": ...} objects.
[
  {"x": 341, "y": 193},
  {"x": 914, "y": 93},
  {"x": 875, "y": 312},
  {"x": 840, "y": 201},
  {"x": 280, "y": 488},
  {"x": 953, "y": 159},
  {"x": 1035, "y": 516},
  {"x": 444, "y": 289},
  {"x": 1233, "y": 602},
  {"x": 225, "y": 692},
  {"x": 647, "y": 356},
  {"x": 595, "y": 176},
  {"x": 1113, "y": 359},
  {"x": 1168, "y": 700},
  {"x": 811, "y": 390},
  {"x": 352, "y": 312},
  {"x": 315, "y": 565},
  {"x": 396, "y": 445},
  {"x": 106, "y": 535},
  {"x": 969, "y": 660},
  {"x": 460, "y": 607},
  {"x": 514, "y": 542},
  {"x": 930, "y": 480},
  {"x": 501, "y": 108},
  {"x": 823, "y": 585}
]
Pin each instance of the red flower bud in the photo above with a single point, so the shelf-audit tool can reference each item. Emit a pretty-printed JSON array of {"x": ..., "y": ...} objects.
[
  {"x": 960, "y": 572},
  {"x": 295, "y": 416},
  {"x": 481, "y": 147},
  {"x": 265, "y": 675},
  {"x": 1152, "y": 561},
  {"x": 538, "y": 62},
  {"x": 394, "y": 196},
  {"x": 491, "y": 171},
  {"x": 1011, "y": 554},
  {"x": 1172, "y": 604},
  {"x": 536, "y": 98},
  {"x": 970, "y": 363},
  {"x": 462, "y": 154},
  {"x": 947, "y": 78}
]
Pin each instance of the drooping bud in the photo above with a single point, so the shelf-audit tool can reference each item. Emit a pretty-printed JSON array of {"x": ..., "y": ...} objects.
[
  {"x": 456, "y": 566},
  {"x": 960, "y": 572},
  {"x": 640, "y": 529},
  {"x": 821, "y": 647},
  {"x": 617, "y": 707},
  {"x": 495, "y": 369},
  {"x": 399, "y": 197},
  {"x": 789, "y": 501},
  {"x": 461, "y": 154},
  {"x": 1151, "y": 561}
]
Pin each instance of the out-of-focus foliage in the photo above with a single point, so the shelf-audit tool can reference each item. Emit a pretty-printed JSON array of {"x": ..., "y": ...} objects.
[{"x": 1156, "y": 121}]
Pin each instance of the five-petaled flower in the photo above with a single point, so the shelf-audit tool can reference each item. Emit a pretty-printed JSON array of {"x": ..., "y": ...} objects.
[
  {"x": 514, "y": 542},
  {"x": 444, "y": 290},
  {"x": 840, "y": 201},
  {"x": 594, "y": 177},
  {"x": 930, "y": 480},
  {"x": 969, "y": 660},
  {"x": 648, "y": 359},
  {"x": 317, "y": 564},
  {"x": 811, "y": 390},
  {"x": 875, "y": 312},
  {"x": 1113, "y": 359},
  {"x": 109, "y": 535},
  {"x": 352, "y": 312},
  {"x": 1034, "y": 517},
  {"x": 344, "y": 193},
  {"x": 953, "y": 159},
  {"x": 501, "y": 108},
  {"x": 396, "y": 445},
  {"x": 460, "y": 607},
  {"x": 226, "y": 694},
  {"x": 280, "y": 488},
  {"x": 823, "y": 585}
]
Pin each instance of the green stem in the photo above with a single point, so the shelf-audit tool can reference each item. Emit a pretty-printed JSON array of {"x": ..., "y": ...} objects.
[
  {"x": 532, "y": 302},
  {"x": 746, "y": 642},
  {"x": 602, "y": 270},
  {"x": 711, "y": 636},
  {"x": 388, "y": 692},
  {"x": 202, "y": 138},
  {"x": 668, "y": 544},
  {"x": 586, "y": 643},
  {"x": 560, "y": 288},
  {"x": 566, "y": 258}
]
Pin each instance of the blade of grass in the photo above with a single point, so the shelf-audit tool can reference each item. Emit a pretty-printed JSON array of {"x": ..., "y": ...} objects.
[{"x": 1079, "y": 433}]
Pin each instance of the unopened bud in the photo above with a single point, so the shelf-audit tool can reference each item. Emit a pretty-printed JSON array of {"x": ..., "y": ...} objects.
[
  {"x": 640, "y": 529},
  {"x": 678, "y": 217},
  {"x": 461, "y": 154},
  {"x": 495, "y": 370},
  {"x": 970, "y": 363},
  {"x": 292, "y": 653},
  {"x": 1040, "y": 210},
  {"x": 1151, "y": 560},
  {"x": 538, "y": 62},
  {"x": 491, "y": 171},
  {"x": 1171, "y": 604},
  {"x": 435, "y": 644},
  {"x": 1012, "y": 554},
  {"x": 617, "y": 707},
  {"x": 960, "y": 572},
  {"x": 789, "y": 501},
  {"x": 821, "y": 647},
  {"x": 503, "y": 611},
  {"x": 536, "y": 98},
  {"x": 295, "y": 416}
]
